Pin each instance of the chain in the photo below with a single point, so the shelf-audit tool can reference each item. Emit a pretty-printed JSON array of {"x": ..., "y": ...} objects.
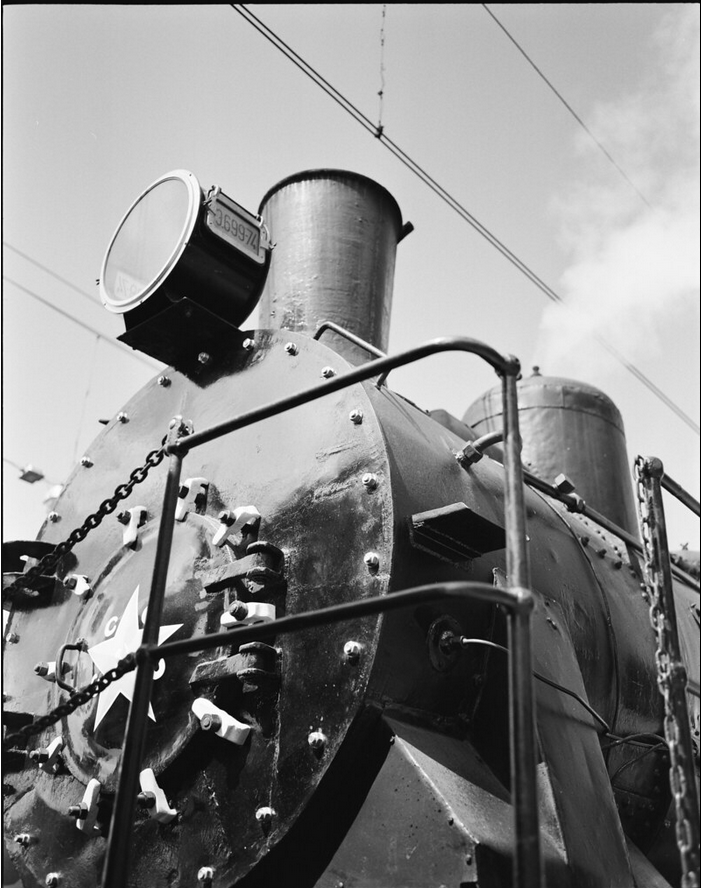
[
  {"x": 79, "y": 698},
  {"x": 106, "y": 507},
  {"x": 665, "y": 674}
]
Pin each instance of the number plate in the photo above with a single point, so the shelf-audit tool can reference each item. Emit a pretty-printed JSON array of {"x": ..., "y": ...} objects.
[{"x": 237, "y": 226}]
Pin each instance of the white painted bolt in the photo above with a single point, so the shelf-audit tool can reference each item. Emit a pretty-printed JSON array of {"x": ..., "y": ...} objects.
[
  {"x": 164, "y": 381},
  {"x": 87, "y": 462},
  {"x": 205, "y": 874},
  {"x": 248, "y": 344},
  {"x": 328, "y": 372},
  {"x": 352, "y": 651},
  {"x": 265, "y": 815},
  {"x": 370, "y": 481},
  {"x": 356, "y": 416},
  {"x": 317, "y": 740},
  {"x": 291, "y": 348},
  {"x": 372, "y": 560}
]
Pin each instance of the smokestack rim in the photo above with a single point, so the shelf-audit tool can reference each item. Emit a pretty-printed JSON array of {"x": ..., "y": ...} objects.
[{"x": 337, "y": 175}]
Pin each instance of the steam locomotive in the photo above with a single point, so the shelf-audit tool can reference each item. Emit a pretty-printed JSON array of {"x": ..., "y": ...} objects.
[{"x": 375, "y": 750}]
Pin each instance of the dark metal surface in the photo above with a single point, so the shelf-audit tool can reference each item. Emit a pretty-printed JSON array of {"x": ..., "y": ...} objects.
[
  {"x": 335, "y": 236},
  {"x": 572, "y": 428}
]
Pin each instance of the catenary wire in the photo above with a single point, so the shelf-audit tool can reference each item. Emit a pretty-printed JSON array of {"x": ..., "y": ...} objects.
[
  {"x": 569, "y": 108},
  {"x": 333, "y": 93},
  {"x": 52, "y": 273},
  {"x": 80, "y": 323}
]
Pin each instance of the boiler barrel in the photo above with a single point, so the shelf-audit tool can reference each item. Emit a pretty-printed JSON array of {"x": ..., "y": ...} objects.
[
  {"x": 572, "y": 428},
  {"x": 335, "y": 235}
]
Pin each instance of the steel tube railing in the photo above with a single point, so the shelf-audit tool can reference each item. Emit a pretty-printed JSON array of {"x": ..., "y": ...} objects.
[
  {"x": 527, "y": 862},
  {"x": 116, "y": 866}
]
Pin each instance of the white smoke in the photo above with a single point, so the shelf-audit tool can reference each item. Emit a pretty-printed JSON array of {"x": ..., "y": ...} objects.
[{"x": 634, "y": 266}]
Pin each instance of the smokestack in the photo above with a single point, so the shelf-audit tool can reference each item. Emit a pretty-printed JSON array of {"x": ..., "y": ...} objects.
[{"x": 335, "y": 235}]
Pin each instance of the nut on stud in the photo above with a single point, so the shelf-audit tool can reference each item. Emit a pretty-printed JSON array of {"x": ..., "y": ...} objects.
[
  {"x": 370, "y": 481},
  {"x": 372, "y": 561},
  {"x": 248, "y": 344},
  {"x": 164, "y": 381},
  {"x": 352, "y": 651},
  {"x": 291, "y": 348},
  {"x": 265, "y": 816}
]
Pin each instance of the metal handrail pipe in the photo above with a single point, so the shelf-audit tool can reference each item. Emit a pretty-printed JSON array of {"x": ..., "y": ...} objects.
[
  {"x": 673, "y": 487},
  {"x": 116, "y": 868},
  {"x": 348, "y": 610},
  {"x": 504, "y": 365}
]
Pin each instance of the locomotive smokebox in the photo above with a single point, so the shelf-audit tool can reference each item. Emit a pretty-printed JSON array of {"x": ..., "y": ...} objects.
[
  {"x": 335, "y": 235},
  {"x": 573, "y": 429}
]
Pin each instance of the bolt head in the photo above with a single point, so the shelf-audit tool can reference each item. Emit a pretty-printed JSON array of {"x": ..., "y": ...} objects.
[
  {"x": 23, "y": 839},
  {"x": 248, "y": 344},
  {"x": 291, "y": 348},
  {"x": 265, "y": 815},
  {"x": 328, "y": 372},
  {"x": 204, "y": 358},
  {"x": 356, "y": 416},
  {"x": 87, "y": 462},
  {"x": 352, "y": 651},
  {"x": 210, "y": 722},
  {"x": 372, "y": 560},
  {"x": 205, "y": 874},
  {"x": 317, "y": 740},
  {"x": 370, "y": 481},
  {"x": 164, "y": 381},
  {"x": 53, "y": 880},
  {"x": 54, "y": 517},
  {"x": 123, "y": 417}
]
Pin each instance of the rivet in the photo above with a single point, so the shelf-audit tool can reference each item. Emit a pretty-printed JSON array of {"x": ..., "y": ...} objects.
[
  {"x": 317, "y": 741},
  {"x": 205, "y": 874},
  {"x": 87, "y": 462},
  {"x": 265, "y": 815},
  {"x": 204, "y": 358},
  {"x": 291, "y": 348},
  {"x": 328, "y": 372},
  {"x": 54, "y": 517},
  {"x": 370, "y": 481},
  {"x": 248, "y": 344},
  {"x": 372, "y": 560},
  {"x": 164, "y": 381},
  {"x": 356, "y": 416},
  {"x": 352, "y": 651}
]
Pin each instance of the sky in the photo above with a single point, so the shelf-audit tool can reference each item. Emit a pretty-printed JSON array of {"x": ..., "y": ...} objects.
[{"x": 101, "y": 100}]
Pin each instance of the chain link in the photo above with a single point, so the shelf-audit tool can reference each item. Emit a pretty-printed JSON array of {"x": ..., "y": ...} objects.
[
  {"x": 78, "y": 698},
  {"x": 106, "y": 507},
  {"x": 665, "y": 673}
]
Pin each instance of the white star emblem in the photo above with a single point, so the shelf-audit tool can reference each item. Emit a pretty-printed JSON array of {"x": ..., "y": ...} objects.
[{"x": 108, "y": 653}]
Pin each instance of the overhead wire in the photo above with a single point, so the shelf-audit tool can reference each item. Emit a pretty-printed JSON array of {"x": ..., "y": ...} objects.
[
  {"x": 112, "y": 342},
  {"x": 49, "y": 271},
  {"x": 452, "y": 202},
  {"x": 569, "y": 108}
]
